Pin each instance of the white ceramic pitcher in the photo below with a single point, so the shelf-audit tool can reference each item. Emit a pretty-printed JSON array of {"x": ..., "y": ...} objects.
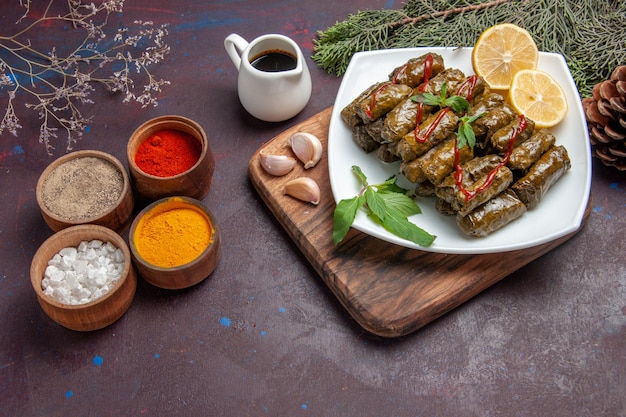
[{"x": 270, "y": 95}]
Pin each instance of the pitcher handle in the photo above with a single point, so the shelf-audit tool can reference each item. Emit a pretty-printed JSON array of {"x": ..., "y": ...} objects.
[{"x": 235, "y": 45}]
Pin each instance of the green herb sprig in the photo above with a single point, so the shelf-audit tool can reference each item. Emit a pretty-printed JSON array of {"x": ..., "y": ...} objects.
[
  {"x": 465, "y": 133},
  {"x": 387, "y": 204},
  {"x": 458, "y": 104}
]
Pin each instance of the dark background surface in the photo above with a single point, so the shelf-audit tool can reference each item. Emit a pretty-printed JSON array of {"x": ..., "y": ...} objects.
[{"x": 263, "y": 335}]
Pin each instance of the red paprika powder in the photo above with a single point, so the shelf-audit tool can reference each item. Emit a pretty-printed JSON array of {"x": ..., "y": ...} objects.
[{"x": 168, "y": 152}]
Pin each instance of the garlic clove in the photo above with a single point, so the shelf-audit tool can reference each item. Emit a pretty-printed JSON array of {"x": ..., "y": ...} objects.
[
  {"x": 277, "y": 165},
  {"x": 304, "y": 189},
  {"x": 307, "y": 148}
]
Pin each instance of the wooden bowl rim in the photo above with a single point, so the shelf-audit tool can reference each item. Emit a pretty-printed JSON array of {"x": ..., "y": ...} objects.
[
  {"x": 76, "y": 155},
  {"x": 197, "y": 204},
  {"x": 154, "y": 125},
  {"x": 99, "y": 232}
]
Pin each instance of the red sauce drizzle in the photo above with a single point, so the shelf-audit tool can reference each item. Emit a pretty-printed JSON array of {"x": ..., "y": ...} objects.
[
  {"x": 400, "y": 71},
  {"x": 458, "y": 173},
  {"x": 372, "y": 103},
  {"x": 432, "y": 126},
  {"x": 428, "y": 72},
  {"x": 470, "y": 85}
]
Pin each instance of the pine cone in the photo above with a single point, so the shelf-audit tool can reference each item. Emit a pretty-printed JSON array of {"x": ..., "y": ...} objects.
[{"x": 605, "y": 112}]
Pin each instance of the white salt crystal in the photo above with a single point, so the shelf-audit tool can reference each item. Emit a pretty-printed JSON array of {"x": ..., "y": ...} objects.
[
  {"x": 118, "y": 256},
  {"x": 95, "y": 243},
  {"x": 62, "y": 295},
  {"x": 90, "y": 254},
  {"x": 68, "y": 253},
  {"x": 82, "y": 274},
  {"x": 56, "y": 260}
]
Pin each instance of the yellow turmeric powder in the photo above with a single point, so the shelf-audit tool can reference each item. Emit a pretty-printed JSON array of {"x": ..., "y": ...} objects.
[{"x": 173, "y": 234}]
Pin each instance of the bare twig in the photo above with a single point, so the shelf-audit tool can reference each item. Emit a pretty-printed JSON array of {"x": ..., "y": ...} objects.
[
  {"x": 446, "y": 13},
  {"x": 60, "y": 84}
]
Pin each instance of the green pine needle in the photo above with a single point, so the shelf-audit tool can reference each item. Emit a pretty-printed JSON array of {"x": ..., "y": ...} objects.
[{"x": 590, "y": 34}]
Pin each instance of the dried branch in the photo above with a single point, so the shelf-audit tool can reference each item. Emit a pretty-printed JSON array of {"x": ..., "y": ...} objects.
[
  {"x": 446, "y": 13},
  {"x": 60, "y": 83}
]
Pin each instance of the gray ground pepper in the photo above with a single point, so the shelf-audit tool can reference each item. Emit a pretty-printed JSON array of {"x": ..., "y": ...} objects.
[{"x": 82, "y": 188}]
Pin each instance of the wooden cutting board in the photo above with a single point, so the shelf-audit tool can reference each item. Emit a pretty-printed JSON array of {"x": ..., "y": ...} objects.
[{"x": 388, "y": 289}]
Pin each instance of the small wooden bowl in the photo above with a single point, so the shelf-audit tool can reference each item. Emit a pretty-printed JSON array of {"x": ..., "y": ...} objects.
[
  {"x": 116, "y": 216},
  {"x": 95, "y": 314},
  {"x": 194, "y": 183},
  {"x": 185, "y": 275}
]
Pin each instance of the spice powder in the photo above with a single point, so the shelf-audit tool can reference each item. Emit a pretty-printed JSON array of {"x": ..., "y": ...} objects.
[
  {"x": 172, "y": 234},
  {"x": 82, "y": 188},
  {"x": 167, "y": 153}
]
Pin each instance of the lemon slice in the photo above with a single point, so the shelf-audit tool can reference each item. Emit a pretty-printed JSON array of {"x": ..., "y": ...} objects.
[
  {"x": 501, "y": 51},
  {"x": 538, "y": 96}
]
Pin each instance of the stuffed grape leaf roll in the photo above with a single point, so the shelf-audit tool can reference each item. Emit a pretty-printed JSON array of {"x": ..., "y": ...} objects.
[
  {"x": 527, "y": 153},
  {"x": 482, "y": 178},
  {"x": 418, "y": 70},
  {"x": 436, "y": 128},
  {"x": 550, "y": 167},
  {"x": 383, "y": 98},
  {"x": 348, "y": 113},
  {"x": 518, "y": 131},
  {"x": 493, "y": 215}
]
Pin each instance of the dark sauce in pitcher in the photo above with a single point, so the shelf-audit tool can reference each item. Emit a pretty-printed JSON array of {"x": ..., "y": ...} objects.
[{"x": 274, "y": 60}]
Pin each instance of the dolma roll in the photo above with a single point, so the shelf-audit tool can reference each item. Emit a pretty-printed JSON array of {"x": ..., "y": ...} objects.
[
  {"x": 490, "y": 122},
  {"x": 437, "y": 127},
  {"x": 491, "y": 216},
  {"x": 402, "y": 119},
  {"x": 472, "y": 88},
  {"x": 413, "y": 170},
  {"x": 425, "y": 189},
  {"x": 472, "y": 171},
  {"x": 542, "y": 175},
  {"x": 443, "y": 207},
  {"x": 479, "y": 181},
  {"x": 381, "y": 100},
  {"x": 374, "y": 129},
  {"x": 485, "y": 103},
  {"x": 386, "y": 152},
  {"x": 362, "y": 138},
  {"x": 527, "y": 153},
  {"x": 348, "y": 113},
  {"x": 451, "y": 77},
  {"x": 518, "y": 130},
  {"x": 416, "y": 70},
  {"x": 439, "y": 162}
]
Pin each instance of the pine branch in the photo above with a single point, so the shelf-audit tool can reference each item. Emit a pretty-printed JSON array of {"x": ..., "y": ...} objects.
[{"x": 590, "y": 35}]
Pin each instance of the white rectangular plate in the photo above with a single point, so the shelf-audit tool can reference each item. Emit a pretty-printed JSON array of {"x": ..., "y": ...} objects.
[{"x": 559, "y": 213}]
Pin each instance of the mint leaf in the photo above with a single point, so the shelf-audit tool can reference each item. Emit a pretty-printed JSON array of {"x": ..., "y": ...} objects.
[
  {"x": 390, "y": 186},
  {"x": 401, "y": 202},
  {"x": 375, "y": 202},
  {"x": 344, "y": 215},
  {"x": 458, "y": 104},
  {"x": 428, "y": 99},
  {"x": 465, "y": 132},
  {"x": 360, "y": 174},
  {"x": 396, "y": 223}
]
